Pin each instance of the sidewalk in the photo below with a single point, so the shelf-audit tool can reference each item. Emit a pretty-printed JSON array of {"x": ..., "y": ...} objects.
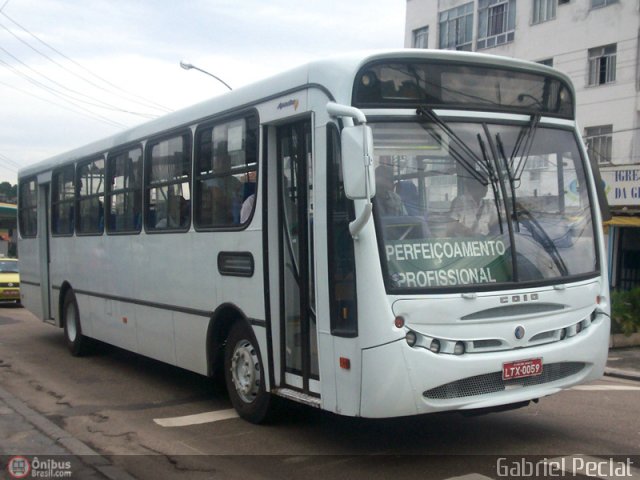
[
  {"x": 45, "y": 446},
  {"x": 624, "y": 363}
]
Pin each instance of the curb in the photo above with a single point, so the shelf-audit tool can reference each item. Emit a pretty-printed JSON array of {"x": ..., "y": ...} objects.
[
  {"x": 620, "y": 340},
  {"x": 625, "y": 374},
  {"x": 75, "y": 447}
]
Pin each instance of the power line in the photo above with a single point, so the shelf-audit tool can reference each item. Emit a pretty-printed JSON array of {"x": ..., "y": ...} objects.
[
  {"x": 579, "y": 50},
  {"x": 124, "y": 94},
  {"x": 99, "y": 104},
  {"x": 8, "y": 163},
  {"x": 7, "y": 166},
  {"x": 88, "y": 115},
  {"x": 617, "y": 99},
  {"x": 56, "y": 93},
  {"x": 7, "y": 159},
  {"x": 609, "y": 133}
]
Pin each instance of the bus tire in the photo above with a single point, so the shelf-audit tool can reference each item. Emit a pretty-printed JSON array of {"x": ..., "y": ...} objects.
[
  {"x": 244, "y": 375},
  {"x": 77, "y": 343}
]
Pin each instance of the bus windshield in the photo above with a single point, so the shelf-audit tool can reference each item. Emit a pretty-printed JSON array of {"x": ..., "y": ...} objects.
[{"x": 482, "y": 205}]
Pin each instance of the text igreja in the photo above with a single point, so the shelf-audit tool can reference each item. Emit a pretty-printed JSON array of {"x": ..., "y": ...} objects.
[{"x": 439, "y": 250}]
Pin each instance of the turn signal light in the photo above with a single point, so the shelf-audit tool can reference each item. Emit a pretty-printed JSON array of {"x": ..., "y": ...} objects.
[{"x": 345, "y": 363}]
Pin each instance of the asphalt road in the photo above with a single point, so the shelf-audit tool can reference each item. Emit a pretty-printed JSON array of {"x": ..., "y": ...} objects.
[{"x": 117, "y": 403}]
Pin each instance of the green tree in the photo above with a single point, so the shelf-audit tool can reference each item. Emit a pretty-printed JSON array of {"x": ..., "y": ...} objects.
[
  {"x": 625, "y": 311},
  {"x": 8, "y": 190}
]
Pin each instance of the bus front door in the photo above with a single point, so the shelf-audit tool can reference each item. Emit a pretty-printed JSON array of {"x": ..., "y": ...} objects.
[{"x": 299, "y": 355}]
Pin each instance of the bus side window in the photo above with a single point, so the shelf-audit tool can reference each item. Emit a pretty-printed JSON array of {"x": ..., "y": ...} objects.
[
  {"x": 168, "y": 197},
  {"x": 90, "y": 197},
  {"x": 28, "y": 208},
  {"x": 63, "y": 200},
  {"x": 225, "y": 175},
  {"x": 124, "y": 191},
  {"x": 342, "y": 271}
]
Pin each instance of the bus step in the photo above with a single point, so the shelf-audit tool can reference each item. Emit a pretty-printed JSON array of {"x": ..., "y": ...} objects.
[{"x": 297, "y": 396}]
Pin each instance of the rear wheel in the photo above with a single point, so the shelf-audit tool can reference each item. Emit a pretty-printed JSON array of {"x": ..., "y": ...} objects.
[
  {"x": 244, "y": 375},
  {"x": 77, "y": 343}
]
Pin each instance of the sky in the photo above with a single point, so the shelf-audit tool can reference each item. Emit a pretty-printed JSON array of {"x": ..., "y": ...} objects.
[{"x": 75, "y": 71}]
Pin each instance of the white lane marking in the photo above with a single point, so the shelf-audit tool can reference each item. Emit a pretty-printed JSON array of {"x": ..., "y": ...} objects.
[
  {"x": 206, "y": 417},
  {"x": 602, "y": 388},
  {"x": 471, "y": 476}
]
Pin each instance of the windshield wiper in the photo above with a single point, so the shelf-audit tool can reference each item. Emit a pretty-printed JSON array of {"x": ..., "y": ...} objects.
[
  {"x": 539, "y": 234},
  {"x": 527, "y": 134},
  {"x": 493, "y": 177},
  {"x": 459, "y": 143},
  {"x": 509, "y": 167}
]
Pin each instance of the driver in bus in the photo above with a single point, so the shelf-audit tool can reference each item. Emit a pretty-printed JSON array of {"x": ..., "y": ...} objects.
[
  {"x": 471, "y": 213},
  {"x": 388, "y": 202}
]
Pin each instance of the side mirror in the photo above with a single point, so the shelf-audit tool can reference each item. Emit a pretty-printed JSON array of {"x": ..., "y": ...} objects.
[{"x": 357, "y": 172}]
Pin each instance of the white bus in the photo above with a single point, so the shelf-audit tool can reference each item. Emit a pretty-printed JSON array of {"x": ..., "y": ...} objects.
[{"x": 375, "y": 235}]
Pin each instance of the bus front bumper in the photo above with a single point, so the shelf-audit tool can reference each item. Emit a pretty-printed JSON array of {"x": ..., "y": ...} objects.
[{"x": 399, "y": 380}]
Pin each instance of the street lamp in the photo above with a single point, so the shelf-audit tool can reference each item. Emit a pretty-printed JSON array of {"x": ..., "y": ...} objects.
[{"x": 188, "y": 66}]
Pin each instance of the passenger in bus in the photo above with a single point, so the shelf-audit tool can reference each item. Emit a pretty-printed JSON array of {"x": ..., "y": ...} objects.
[
  {"x": 388, "y": 202},
  {"x": 225, "y": 191},
  {"x": 248, "y": 196},
  {"x": 177, "y": 217},
  {"x": 470, "y": 212},
  {"x": 408, "y": 193}
]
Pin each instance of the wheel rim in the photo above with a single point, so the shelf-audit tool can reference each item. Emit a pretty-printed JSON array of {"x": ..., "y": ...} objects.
[
  {"x": 245, "y": 371},
  {"x": 70, "y": 322}
]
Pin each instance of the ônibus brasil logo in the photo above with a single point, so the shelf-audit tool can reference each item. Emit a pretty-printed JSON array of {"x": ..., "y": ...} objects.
[{"x": 18, "y": 467}]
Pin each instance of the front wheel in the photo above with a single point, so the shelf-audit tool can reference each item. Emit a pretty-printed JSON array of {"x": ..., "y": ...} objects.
[
  {"x": 244, "y": 375},
  {"x": 77, "y": 343}
]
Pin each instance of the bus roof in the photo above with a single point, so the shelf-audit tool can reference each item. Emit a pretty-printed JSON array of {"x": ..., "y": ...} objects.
[{"x": 336, "y": 75}]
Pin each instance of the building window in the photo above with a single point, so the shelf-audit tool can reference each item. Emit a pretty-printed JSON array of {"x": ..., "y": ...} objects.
[
  {"x": 547, "y": 61},
  {"x": 421, "y": 38},
  {"x": 544, "y": 10},
  {"x": 602, "y": 3},
  {"x": 602, "y": 65},
  {"x": 496, "y": 22},
  {"x": 599, "y": 143},
  {"x": 456, "y": 28}
]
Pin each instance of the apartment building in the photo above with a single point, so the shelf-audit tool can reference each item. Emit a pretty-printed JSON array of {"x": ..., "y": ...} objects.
[{"x": 596, "y": 43}]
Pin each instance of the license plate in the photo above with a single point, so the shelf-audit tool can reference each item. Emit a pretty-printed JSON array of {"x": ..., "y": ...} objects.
[
  {"x": 11, "y": 293},
  {"x": 521, "y": 369}
]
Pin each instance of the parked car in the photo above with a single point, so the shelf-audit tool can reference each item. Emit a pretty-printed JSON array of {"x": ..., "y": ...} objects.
[{"x": 9, "y": 281}]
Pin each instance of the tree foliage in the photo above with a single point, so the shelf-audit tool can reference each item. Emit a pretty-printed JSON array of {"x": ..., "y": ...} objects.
[
  {"x": 7, "y": 190},
  {"x": 625, "y": 311}
]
